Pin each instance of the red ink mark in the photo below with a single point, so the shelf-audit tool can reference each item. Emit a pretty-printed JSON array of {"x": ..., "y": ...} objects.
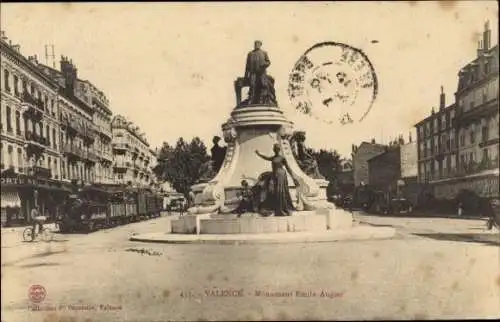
[{"x": 37, "y": 293}]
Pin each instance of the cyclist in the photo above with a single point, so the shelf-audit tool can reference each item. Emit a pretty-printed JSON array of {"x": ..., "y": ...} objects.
[{"x": 37, "y": 220}]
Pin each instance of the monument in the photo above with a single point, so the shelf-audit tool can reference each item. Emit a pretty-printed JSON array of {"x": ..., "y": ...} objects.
[{"x": 256, "y": 128}]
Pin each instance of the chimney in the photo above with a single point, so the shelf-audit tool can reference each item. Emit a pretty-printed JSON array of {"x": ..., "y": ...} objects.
[
  {"x": 486, "y": 36},
  {"x": 479, "y": 48},
  {"x": 409, "y": 138},
  {"x": 432, "y": 111},
  {"x": 442, "y": 100},
  {"x": 17, "y": 48},
  {"x": 373, "y": 141}
]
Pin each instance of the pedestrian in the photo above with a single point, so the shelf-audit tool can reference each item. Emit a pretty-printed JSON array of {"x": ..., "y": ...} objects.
[
  {"x": 489, "y": 213},
  {"x": 460, "y": 209},
  {"x": 37, "y": 221}
]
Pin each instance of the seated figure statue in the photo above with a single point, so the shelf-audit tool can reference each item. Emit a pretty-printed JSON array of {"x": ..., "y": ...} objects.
[
  {"x": 306, "y": 162},
  {"x": 261, "y": 85}
]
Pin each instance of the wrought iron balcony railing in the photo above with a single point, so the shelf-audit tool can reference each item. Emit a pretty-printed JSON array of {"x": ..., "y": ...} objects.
[{"x": 73, "y": 150}]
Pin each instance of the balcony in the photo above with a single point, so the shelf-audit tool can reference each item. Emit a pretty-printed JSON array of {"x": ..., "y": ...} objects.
[
  {"x": 487, "y": 109},
  {"x": 104, "y": 132},
  {"x": 124, "y": 165},
  {"x": 28, "y": 100},
  {"x": 73, "y": 151},
  {"x": 36, "y": 139},
  {"x": 120, "y": 146},
  {"x": 488, "y": 142},
  {"x": 89, "y": 133},
  {"x": 40, "y": 172},
  {"x": 106, "y": 156},
  {"x": 475, "y": 167},
  {"x": 90, "y": 156}
]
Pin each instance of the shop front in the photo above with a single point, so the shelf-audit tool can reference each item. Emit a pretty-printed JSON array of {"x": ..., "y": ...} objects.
[{"x": 21, "y": 193}]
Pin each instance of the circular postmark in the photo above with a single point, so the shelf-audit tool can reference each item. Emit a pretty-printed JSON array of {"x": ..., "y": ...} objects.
[
  {"x": 37, "y": 293},
  {"x": 333, "y": 82}
]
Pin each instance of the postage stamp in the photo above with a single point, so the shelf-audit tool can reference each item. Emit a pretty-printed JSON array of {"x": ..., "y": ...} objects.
[{"x": 333, "y": 82}]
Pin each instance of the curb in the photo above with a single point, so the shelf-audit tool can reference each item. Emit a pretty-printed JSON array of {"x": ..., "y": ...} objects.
[{"x": 353, "y": 234}]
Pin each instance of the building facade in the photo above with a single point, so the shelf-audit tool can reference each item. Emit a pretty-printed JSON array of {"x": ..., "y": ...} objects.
[
  {"x": 360, "y": 157},
  {"x": 385, "y": 170},
  {"x": 56, "y": 130},
  {"x": 133, "y": 158},
  {"x": 409, "y": 159},
  {"x": 469, "y": 158},
  {"x": 30, "y": 127}
]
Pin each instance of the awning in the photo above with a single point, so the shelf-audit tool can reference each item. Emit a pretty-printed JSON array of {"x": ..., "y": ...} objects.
[{"x": 10, "y": 199}]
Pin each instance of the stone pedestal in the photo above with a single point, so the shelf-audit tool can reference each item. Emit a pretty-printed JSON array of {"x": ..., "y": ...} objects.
[
  {"x": 319, "y": 220},
  {"x": 250, "y": 128}
]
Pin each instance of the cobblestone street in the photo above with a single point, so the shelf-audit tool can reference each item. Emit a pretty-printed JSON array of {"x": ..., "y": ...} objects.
[{"x": 104, "y": 277}]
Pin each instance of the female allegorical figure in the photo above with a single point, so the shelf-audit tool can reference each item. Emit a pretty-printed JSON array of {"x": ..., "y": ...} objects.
[{"x": 280, "y": 197}]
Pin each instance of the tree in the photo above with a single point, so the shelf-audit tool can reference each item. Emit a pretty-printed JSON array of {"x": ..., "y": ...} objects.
[{"x": 181, "y": 164}]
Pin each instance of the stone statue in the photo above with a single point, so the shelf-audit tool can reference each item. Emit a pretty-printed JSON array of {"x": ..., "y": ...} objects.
[
  {"x": 307, "y": 162},
  {"x": 275, "y": 191},
  {"x": 210, "y": 168},
  {"x": 261, "y": 85},
  {"x": 218, "y": 154}
]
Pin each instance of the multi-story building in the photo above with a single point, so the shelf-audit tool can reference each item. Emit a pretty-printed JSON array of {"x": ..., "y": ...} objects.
[
  {"x": 409, "y": 159},
  {"x": 102, "y": 117},
  {"x": 437, "y": 143},
  {"x": 131, "y": 153},
  {"x": 56, "y": 129},
  {"x": 30, "y": 126},
  {"x": 360, "y": 157},
  {"x": 469, "y": 158},
  {"x": 78, "y": 132}
]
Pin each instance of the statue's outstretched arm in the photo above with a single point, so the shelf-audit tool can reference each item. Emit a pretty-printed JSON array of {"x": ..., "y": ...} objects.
[{"x": 263, "y": 156}]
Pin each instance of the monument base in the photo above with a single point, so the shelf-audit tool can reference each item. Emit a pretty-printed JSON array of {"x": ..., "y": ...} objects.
[{"x": 249, "y": 223}]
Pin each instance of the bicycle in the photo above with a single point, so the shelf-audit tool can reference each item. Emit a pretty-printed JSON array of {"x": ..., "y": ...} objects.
[{"x": 46, "y": 234}]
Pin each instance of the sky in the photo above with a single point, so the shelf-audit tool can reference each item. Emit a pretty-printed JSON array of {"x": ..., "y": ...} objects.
[{"x": 170, "y": 67}]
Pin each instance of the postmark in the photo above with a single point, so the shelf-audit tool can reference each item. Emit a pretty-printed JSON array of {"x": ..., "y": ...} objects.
[
  {"x": 333, "y": 82},
  {"x": 37, "y": 293}
]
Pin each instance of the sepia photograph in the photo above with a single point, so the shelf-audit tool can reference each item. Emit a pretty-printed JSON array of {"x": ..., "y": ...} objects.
[{"x": 249, "y": 161}]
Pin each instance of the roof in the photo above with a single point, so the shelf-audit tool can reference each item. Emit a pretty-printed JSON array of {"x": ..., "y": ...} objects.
[
  {"x": 436, "y": 114},
  {"x": 11, "y": 51},
  {"x": 388, "y": 151}
]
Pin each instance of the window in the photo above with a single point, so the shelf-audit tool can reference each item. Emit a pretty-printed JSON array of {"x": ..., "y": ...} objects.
[
  {"x": 55, "y": 169},
  {"x": 18, "y": 123},
  {"x": 9, "y": 119},
  {"x": 6, "y": 80},
  {"x": 40, "y": 129},
  {"x": 485, "y": 155},
  {"x": 471, "y": 156},
  {"x": 472, "y": 136},
  {"x": 49, "y": 163},
  {"x": 20, "y": 163},
  {"x": 485, "y": 133},
  {"x": 10, "y": 156},
  {"x": 54, "y": 137},
  {"x": 462, "y": 139},
  {"x": 25, "y": 86},
  {"x": 32, "y": 89},
  {"x": 2, "y": 166},
  {"x": 47, "y": 130},
  {"x": 16, "y": 88}
]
